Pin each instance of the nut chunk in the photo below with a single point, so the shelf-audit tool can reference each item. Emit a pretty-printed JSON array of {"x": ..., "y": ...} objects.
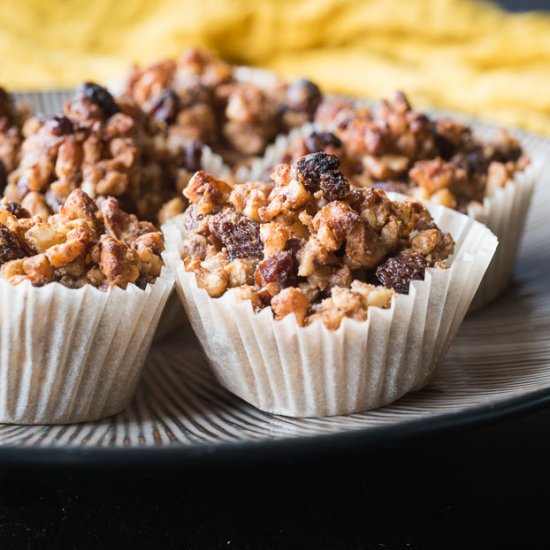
[
  {"x": 81, "y": 245},
  {"x": 312, "y": 249}
]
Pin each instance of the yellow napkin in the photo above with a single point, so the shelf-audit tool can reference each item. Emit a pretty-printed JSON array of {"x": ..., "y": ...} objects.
[{"x": 455, "y": 54}]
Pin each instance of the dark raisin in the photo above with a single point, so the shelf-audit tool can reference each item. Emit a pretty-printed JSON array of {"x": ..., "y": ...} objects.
[
  {"x": 398, "y": 271},
  {"x": 14, "y": 208},
  {"x": 165, "y": 107},
  {"x": 193, "y": 156},
  {"x": 334, "y": 185},
  {"x": 280, "y": 268},
  {"x": 101, "y": 97},
  {"x": 473, "y": 161},
  {"x": 311, "y": 167},
  {"x": 239, "y": 234},
  {"x": 319, "y": 141},
  {"x": 304, "y": 96},
  {"x": 10, "y": 246},
  {"x": 61, "y": 126}
]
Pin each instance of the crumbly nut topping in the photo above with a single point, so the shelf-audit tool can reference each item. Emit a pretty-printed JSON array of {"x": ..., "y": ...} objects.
[
  {"x": 82, "y": 244},
  {"x": 307, "y": 243},
  {"x": 398, "y": 149},
  {"x": 199, "y": 97},
  {"x": 97, "y": 144}
]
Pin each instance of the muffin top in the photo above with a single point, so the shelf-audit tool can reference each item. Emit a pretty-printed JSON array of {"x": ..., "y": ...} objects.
[
  {"x": 100, "y": 144},
  {"x": 307, "y": 243},
  {"x": 396, "y": 148},
  {"x": 82, "y": 244},
  {"x": 200, "y": 97}
]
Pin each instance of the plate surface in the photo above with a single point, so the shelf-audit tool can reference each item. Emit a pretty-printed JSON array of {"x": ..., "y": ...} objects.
[{"x": 498, "y": 364}]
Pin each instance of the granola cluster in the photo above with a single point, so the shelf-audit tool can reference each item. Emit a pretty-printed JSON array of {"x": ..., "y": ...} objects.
[
  {"x": 199, "y": 97},
  {"x": 82, "y": 244},
  {"x": 398, "y": 149},
  {"x": 307, "y": 243}
]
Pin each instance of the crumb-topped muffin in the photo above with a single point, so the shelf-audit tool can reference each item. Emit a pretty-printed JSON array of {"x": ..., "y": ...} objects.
[
  {"x": 311, "y": 298},
  {"x": 307, "y": 243},
  {"x": 82, "y": 292},
  {"x": 81, "y": 245},
  {"x": 200, "y": 97},
  {"x": 396, "y": 148}
]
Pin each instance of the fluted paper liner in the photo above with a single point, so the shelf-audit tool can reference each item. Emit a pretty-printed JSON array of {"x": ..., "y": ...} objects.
[
  {"x": 173, "y": 317},
  {"x": 285, "y": 369},
  {"x": 73, "y": 355},
  {"x": 504, "y": 213}
]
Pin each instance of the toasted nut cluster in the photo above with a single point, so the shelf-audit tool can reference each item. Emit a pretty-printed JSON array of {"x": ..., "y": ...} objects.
[
  {"x": 307, "y": 243},
  {"x": 82, "y": 244},
  {"x": 398, "y": 149},
  {"x": 97, "y": 144},
  {"x": 200, "y": 98},
  {"x": 12, "y": 118}
]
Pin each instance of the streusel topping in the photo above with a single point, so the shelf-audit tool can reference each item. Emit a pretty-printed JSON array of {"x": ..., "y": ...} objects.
[
  {"x": 82, "y": 244},
  {"x": 307, "y": 243},
  {"x": 396, "y": 148},
  {"x": 200, "y": 98}
]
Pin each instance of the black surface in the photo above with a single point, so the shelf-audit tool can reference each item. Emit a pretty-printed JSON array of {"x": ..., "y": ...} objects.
[{"x": 487, "y": 488}]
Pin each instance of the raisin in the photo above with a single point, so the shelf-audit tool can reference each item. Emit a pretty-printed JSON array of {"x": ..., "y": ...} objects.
[
  {"x": 304, "y": 96},
  {"x": 311, "y": 167},
  {"x": 473, "y": 161},
  {"x": 10, "y": 246},
  {"x": 101, "y": 97},
  {"x": 61, "y": 125},
  {"x": 14, "y": 208},
  {"x": 165, "y": 107},
  {"x": 398, "y": 271},
  {"x": 239, "y": 234},
  {"x": 193, "y": 155},
  {"x": 280, "y": 268},
  {"x": 319, "y": 141},
  {"x": 334, "y": 185}
]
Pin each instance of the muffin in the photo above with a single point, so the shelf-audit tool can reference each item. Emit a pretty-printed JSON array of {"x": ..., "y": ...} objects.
[
  {"x": 311, "y": 298},
  {"x": 395, "y": 148},
  {"x": 82, "y": 292},
  {"x": 200, "y": 97}
]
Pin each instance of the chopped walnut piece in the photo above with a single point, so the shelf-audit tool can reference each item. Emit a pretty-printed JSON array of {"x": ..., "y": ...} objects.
[{"x": 288, "y": 301}]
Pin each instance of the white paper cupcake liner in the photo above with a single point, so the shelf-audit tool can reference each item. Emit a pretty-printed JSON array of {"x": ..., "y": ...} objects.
[
  {"x": 504, "y": 212},
  {"x": 73, "y": 355},
  {"x": 285, "y": 369}
]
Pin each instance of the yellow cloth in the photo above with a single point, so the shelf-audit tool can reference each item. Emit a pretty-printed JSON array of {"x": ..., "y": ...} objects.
[{"x": 455, "y": 54}]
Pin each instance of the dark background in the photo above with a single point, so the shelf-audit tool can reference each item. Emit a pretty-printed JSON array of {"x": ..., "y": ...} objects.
[{"x": 487, "y": 487}]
